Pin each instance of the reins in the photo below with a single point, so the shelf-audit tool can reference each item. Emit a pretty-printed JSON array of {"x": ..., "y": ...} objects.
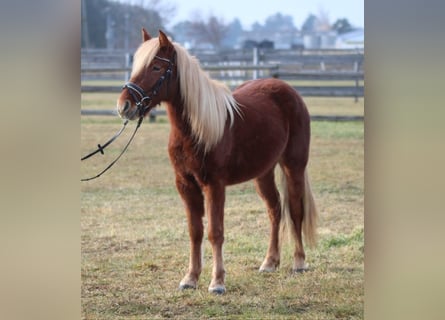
[
  {"x": 144, "y": 105},
  {"x": 101, "y": 149}
]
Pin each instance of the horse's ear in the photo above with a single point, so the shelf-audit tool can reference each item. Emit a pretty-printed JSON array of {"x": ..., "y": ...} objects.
[
  {"x": 163, "y": 40},
  {"x": 145, "y": 35}
]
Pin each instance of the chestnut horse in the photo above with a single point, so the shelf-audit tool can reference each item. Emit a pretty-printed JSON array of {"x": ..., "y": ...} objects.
[{"x": 219, "y": 138}]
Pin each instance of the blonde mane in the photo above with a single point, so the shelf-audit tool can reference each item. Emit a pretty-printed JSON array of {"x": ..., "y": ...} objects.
[{"x": 207, "y": 102}]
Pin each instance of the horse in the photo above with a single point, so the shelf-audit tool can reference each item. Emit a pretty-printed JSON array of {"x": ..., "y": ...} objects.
[{"x": 219, "y": 138}]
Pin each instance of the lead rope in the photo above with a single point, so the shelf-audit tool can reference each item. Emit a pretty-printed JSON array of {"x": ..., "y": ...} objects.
[{"x": 101, "y": 148}]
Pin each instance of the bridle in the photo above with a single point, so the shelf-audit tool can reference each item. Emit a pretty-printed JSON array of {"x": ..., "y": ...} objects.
[
  {"x": 143, "y": 100},
  {"x": 144, "y": 105}
]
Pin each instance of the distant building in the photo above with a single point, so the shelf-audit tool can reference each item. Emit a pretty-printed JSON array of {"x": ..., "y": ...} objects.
[
  {"x": 265, "y": 44},
  {"x": 351, "y": 40},
  {"x": 283, "y": 39},
  {"x": 320, "y": 40},
  {"x": 293, "y": 39}
]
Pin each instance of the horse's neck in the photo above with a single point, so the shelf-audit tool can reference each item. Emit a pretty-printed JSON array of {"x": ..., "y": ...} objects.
[
  {"x": 182, "y": 144},
  {"x": 178, "y": 120}
]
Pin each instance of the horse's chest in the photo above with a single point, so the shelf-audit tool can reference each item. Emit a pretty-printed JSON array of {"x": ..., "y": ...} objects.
[{"x": 183, "y": 157}]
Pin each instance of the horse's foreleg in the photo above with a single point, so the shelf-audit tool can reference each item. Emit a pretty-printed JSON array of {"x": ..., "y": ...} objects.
[
  {"x": 215, "y": 196},
  {"x": 194, "y": 205}
]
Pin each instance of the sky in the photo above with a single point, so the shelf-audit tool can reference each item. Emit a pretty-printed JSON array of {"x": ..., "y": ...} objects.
[{"x": 250, "y": 11}]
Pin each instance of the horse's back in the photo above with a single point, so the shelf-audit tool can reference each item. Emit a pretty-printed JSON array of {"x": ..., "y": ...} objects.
[
  {"x": 269, "y": 93},
  {"x": 272, "y": 99}
]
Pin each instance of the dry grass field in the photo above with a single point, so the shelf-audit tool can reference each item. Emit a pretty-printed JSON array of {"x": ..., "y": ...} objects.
[{"x": 135, "y": 243}]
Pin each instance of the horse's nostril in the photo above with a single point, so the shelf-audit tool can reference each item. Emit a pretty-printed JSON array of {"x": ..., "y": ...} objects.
[{"x": 126, "y": 105}]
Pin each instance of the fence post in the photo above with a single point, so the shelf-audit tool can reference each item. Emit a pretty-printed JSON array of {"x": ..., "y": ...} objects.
[
  {"x": 356, "y": 68},
  {"x": 255, "y": 62},
  {"x": 356, "y": 87},
  {"x": 128, "y": 64},
  {"x": 275, "y": 71}
]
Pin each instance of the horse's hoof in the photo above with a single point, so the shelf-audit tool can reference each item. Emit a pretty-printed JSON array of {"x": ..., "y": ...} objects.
[
  {"x": 300, "y": 266},
  {"x": 220, "y": 289},
  {"x": 300, "y": 270},
  {"x": 186, "y": 286},
  {"x": 267, "y": 269},
  {"x": 268, "y": 266}
]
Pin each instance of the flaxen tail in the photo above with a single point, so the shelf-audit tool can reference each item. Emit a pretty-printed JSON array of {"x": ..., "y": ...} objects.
[{"x": 310, "y": 214}]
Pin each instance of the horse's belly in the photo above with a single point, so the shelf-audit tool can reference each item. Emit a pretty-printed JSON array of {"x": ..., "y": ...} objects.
[{"x": 254, "y": 159}]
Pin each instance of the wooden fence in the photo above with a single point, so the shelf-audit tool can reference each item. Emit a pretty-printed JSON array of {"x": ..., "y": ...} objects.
[
  {"x": 314, "y": 69},
  {"x": 235, "y": 75},
  {"x": 155, "y": 112},
  {"x": 315, "y": 73},
  {"x": 325, "y": 60}
]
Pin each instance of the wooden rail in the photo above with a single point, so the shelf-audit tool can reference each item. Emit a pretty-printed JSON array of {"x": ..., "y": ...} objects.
[
  {"x": 156, "y": 112},
  {"x": 307, "y": 91},
  {"x": 239, "y": 73},
  {"x": 235, "y": 67}
]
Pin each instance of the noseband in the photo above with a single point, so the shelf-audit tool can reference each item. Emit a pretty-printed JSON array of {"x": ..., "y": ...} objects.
[{"x": 143, "y": 100}]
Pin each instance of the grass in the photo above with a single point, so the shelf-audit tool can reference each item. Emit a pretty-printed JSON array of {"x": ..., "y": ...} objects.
[
  {"x": 317, "y": 106},
  {"x": 135, "y": 242}
]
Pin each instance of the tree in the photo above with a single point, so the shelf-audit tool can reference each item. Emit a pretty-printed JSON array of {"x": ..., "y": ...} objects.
[
  {"x": 128, "y": 22},
  {"x": 279, "y": 22},
  {"x": 256, "y": 26},
  {"x": 164, "y": 10},
  {"x": 211, "y": 30},
  {"x": 317, "y": 23},
  {"x": 95, "y": 19},
  {"x": 234, "y": 30},
  {"x": 112, "y": 24},
  {"x": 181, "y": 32},
  {"x": 342, "y": 26},
  {"x": 323, "y": 23},
  {"x": 310, "y": 24}
]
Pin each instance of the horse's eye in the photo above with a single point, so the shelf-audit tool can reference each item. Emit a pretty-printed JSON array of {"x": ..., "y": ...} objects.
[{"x": 156, "y": 68}]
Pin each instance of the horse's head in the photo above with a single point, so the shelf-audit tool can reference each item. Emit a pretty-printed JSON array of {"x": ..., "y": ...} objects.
[{"x": 152, "y": 77}]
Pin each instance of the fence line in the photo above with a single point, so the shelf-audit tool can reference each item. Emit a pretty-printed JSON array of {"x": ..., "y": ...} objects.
[
  {"x": 237, "y": 66},
  {"x": 156, "y": 112},
  {"x": 339, "y": 59},
  {"x": 238, "y": 74}
]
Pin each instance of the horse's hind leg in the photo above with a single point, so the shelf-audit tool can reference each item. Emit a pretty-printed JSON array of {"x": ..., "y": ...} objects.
[
  {"x": 295, "y": 193},
  {"x": 267, "y": 189}
]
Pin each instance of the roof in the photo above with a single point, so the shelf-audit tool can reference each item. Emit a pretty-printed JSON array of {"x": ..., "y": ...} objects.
[{"x": 356, "y": 36}]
